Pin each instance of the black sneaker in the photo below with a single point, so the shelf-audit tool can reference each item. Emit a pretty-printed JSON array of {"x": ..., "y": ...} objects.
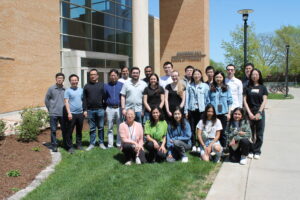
[
  {"x": 71, "y": 151},
  {"x": 54, "y": 149}
]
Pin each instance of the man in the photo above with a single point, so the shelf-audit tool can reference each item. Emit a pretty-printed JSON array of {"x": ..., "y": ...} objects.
[
  {"x": 132, "y": 94},
  {"x": 148, "y": 71},
  {"x": 248, "y": 68},
  {"x": 124, "y": 74},
  {"x": 73, "y": 103},
  {"x": 54, "y": 101},
  {"x": 113, "y": 101},
  {"x": 165, "y": 80},
  {"x": 188, "y": 75},
  {"x": 93, "y": 106},
  {"x": 210, "y": 72},
  {"x": 236, "y": 87}
]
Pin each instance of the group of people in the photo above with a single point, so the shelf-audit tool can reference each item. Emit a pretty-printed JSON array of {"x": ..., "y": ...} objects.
[{"x": 165, "y": 116}]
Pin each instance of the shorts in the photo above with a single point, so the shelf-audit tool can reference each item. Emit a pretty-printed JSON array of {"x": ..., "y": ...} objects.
[{"x": 207, "y": 142}]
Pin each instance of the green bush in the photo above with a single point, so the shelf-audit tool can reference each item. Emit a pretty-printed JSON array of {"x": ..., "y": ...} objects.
[
  {"x": 13, "y": 173},
  {"x": 2, "y": 129},
  {"x": 32, "y": 122}
]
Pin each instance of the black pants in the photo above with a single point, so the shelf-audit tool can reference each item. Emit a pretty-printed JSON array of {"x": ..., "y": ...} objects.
[
  {"x": 257, "y": 128},
  {"x": 242, "y": 150},
  {"x": 53, "y": 126},
  {"x": 130, "y": 154},
  {"x": 179, "y": 149},
  {"x": 77, "y": 120},
  {"x": 154, "y": 154},
  {"x": 194, "y": 118},
  {"x": 223, "y": 136}
]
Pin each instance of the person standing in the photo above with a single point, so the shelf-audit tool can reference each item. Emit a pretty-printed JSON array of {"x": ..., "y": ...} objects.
[
  {"x": 166, "y": 79},
  {"x": 124, "y": 74},
  {"x": 73, "y": 102},
  {"x": 188, "y": 75},
  {"x": 248, "y": 68},
  {"x": 54, "y": 101},
  {"x": 210, "y": 72},
  {"x": 132, "y": 94},
  {"x": 94, "y": 106},
  {"x": 236, "y": 87},
  {"x": 148, "y": 71},
  {"x": 113, "y": 102}
]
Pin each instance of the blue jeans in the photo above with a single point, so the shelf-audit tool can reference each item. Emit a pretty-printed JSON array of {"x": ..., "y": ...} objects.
[
  {"x": 96, "y": 120},
  {"x": 138, "y": 117},
  {"x": 53, "y": 126},
  {"x": 146, "y": 116}
]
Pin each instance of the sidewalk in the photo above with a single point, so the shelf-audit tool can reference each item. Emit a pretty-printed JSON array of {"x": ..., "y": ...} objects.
[{"x": 277, "y": 174}]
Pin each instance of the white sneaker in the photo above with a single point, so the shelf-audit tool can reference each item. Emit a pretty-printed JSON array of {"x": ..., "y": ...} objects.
[
  {"x": 185, "y": 159},
  {"x": 138, "y": 161},
  {"x": 198, "y": 149},
  {"x": 102, "y": 146},
  {"x": 90, "y": 147},
  {"x": 212, "y": 153},
  {"x": 250, "y": 155},
  {"x": 128, "y": 163},
  {"x": 194, "y": 149},
  {"x": 243, "y": 160},
  {"x": 110, "y": 146},
  {"x": 257, "y": 156}
]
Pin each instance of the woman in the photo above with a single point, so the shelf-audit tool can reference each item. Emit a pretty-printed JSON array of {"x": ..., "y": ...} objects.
[
  {"x": 195, "y": 102},
  {"x": 209, "y": 130},
  {"x": 131, "y": 134},
  {"x": 239, "y": 136},
  {"x": 155, "y": 131},
  {"x": 154, "y": 96},
  {"x": 174, "y": 94},
  {"x": 255, "y": 99},
  {"x": 220, "y": 97},
  {"x": 178, "y": 137}
]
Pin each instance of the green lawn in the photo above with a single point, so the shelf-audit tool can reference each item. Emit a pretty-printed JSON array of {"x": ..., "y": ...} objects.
[
  {"x": 279, "y": 96},
  {"x": 100, "y": 174}
]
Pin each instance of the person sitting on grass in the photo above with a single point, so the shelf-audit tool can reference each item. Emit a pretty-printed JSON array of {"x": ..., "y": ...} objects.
[
  {"x": 209, "y": 130},
  {"x": 239, "y": 135},
  {"x": 131, "y": 133},
  {"x": 178, "y": 137},
  {"x": 155, "y": 131}
]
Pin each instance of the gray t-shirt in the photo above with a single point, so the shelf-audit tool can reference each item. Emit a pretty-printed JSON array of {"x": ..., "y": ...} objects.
[
  {"x": 54, "y": 100},
  {"x": 134, "y": 94}
]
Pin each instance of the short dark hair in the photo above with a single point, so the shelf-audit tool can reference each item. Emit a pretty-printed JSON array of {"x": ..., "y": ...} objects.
[
  {"x": 209, "y": 68},
  {"x": 135, "y": 68},
  {"x": 189, "y": 67},
  {"x": 113, "y": 70},
  {"x": 231, "y": 65},
  {"x": 73, "y": 75},
  {"x": 59, "y": 74},
  {"x": 249, "y": 64},
  {"x": 168, "y": 63},
  {"x": 123, "y": 67},
  {"x": 148, "y": 67},
  {"x": 93, "y": 70}
]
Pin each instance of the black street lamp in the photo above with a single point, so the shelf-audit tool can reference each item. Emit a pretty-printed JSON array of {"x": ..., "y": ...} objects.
[
  {"x": 287, "y": 70},
  {"x": 245, "y": 13}
]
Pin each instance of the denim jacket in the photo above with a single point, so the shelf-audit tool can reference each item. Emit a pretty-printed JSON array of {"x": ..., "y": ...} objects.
[
  {"x": 190, "y": 97},
  {"x": 219, "y": 97}
]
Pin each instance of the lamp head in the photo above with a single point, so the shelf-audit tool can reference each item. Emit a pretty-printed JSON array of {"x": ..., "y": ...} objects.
[{"x": 245, "y": 13}]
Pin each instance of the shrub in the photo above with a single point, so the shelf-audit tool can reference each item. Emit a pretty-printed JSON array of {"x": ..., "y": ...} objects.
[
  {"x": 36, "y": 149},
  {"x": 32, "y": 122},
  {"x": 13, "y": 173},
  {"x": 2, "y": 129}
]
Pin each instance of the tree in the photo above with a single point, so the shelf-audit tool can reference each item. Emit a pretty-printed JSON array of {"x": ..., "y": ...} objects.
[{"x": 217, "y": 65}]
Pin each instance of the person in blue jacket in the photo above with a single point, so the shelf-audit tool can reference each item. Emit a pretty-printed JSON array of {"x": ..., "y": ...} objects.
[
  {"x": 178, "y": 137},
  {"x": 220, "y": 97}
]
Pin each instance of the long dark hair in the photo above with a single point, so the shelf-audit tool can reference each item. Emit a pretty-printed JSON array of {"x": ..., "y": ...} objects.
[
  {"x": 242, "y": 119},
  {"x": 196, "y": 70},
  {"x": 260, "y": 80},
  {"x": 157, "y": 84},
  {"x": 174, "y": 123},
  {"x": 214, "y": 85},
  {"x": 161, "y": 117},
  {"x": 214, "y": 117}
]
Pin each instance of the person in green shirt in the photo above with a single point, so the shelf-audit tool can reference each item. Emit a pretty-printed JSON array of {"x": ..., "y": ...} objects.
[{"x": 155, "y": 131}]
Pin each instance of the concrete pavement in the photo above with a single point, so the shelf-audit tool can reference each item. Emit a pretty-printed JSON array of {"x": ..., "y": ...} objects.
[{"x": 277, "y": 174}]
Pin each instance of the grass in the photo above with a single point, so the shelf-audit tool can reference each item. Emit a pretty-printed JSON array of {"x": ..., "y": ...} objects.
[
  {"x": 101, "y": 174},
  {"x": 279, "y": 96}
]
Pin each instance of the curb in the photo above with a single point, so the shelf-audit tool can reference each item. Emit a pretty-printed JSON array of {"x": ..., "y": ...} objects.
[{"x": 56, "y": 158}]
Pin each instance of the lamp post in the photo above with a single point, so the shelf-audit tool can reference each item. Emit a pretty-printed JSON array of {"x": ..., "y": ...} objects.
[
  {"x": 245, "y": 13},
  {"x": 287, "y": 70}
]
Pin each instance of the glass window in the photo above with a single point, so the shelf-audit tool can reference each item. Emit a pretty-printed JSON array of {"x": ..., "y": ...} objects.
[
  {"x": 76, "y": 43},
  {"x": 115, "y": 64},
  {"x": 103, "y": 6},
  {"x": 124, "y": 37},
  {"x": 123, "y": 11},
  {"x": 76, "y": 28},
  {"x": 80, "y": 2},
  {"x": 102, "y": 33},
  {"x": 124, "y": 2},
  {"x": 124, "y": 49},
  {"x": 76, "y": 12},
  {"x": 103, "y": 19},
  {"x": 93, "y": 63},
  {"x": 102, "y": 46},
  {"x": 123, "y": 24}
]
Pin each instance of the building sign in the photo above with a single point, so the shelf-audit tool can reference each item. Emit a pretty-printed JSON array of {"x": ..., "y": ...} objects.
[{"x": 187, "y": 56}]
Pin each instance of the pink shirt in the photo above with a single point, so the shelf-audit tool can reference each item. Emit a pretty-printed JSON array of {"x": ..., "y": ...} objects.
[{"x": 137, "y": 131}]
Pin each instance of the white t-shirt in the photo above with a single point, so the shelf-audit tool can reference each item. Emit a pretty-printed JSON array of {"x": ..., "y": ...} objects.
[
  {"x": 165, "y": 80},
  {"x": 236, "y": 88},
  {"x": 210, "y": 131}
]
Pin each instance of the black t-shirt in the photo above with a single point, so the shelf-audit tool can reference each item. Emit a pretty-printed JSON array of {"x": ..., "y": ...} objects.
[
  {"x": 255, "y": 96},
  {"x": 153, "y": 95},
  {"x": 174, "y": 99}
]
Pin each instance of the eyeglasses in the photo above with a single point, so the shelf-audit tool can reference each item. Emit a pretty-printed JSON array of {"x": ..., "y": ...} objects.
[{"x": 230, "y": 69}]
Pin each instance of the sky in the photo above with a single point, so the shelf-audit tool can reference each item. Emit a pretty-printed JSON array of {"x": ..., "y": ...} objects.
[{"x": 268, "y": 16}]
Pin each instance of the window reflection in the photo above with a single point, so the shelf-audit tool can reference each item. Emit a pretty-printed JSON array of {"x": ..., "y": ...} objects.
[
  {"x": 76, "y": 28},
  {"x": 102, "y": 33},
  {"x": 76, "y": 12},
  {"x": 124, "y": 37},
  {"x": 124, "y": 50},
  {"x": 123, "y": 11},
  {"x": 106, "y": 47},
  {"x": 76, "y": 43},
  {"x": 103, "y": 19},
  {"x": 125, "y": 2},
  {"x": 123, "y": 24},
  {"x": 103, "y": 6}
]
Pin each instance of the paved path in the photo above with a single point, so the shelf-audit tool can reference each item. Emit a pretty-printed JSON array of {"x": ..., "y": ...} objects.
[{"x": 277, "y": 174}]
